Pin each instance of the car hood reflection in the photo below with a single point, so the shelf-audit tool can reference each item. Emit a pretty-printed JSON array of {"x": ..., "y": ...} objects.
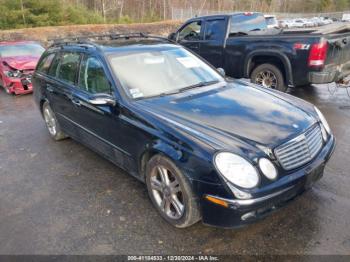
[{"x": 234, "y": 111}]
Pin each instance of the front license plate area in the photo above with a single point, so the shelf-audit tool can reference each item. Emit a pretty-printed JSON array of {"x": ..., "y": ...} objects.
[
  {"x": 314, "y": 175},
  {"x": 26, "y": 81}
]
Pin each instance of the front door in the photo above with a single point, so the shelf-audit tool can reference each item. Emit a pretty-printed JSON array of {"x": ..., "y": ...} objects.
[
  {"x": 99, "y": 125},
  {"x": 191, "y": 35},
  {"x": 59, "y": 85}
]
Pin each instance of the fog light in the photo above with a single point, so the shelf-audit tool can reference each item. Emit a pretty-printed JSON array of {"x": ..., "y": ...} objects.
[
  {"x": 268, "y": 168},
  {"x": 248, "y": 215}
]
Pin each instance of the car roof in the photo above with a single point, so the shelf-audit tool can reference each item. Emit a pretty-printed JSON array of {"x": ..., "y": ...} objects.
[
  {"x": 222, "y": 15},
  {"x": 120, "y": 45}
]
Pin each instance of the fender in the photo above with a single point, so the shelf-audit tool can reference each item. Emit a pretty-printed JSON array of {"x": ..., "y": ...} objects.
[
  {"x": 157, "y": 147},
  {"x": 268, "y": 52}
]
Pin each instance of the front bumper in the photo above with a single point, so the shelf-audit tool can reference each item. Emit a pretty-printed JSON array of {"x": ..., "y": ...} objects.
[
  {"x": 18, "y": 86},
  {"x": 244, "y": 212}
]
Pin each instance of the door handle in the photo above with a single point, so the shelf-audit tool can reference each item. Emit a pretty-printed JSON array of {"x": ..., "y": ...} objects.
[
  {"x": 49, "y": 88},
  {"x": 76, "y": 102}
]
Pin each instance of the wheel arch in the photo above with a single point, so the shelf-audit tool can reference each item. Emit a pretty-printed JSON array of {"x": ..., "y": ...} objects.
[
  {"x": 159, "y": 147},
  {"x": 41, "y": 104},
  {"x": 278, "y": 59}
]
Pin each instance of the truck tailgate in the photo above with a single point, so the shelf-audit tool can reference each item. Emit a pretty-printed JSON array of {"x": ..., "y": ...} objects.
[
  {"x": 339, "y": 49},
  {"x": 338, "y": 55}
]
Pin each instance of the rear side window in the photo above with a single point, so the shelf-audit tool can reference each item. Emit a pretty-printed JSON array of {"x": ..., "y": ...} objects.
[
  {"x": 54, "y": 65},
  {"x": 215, "y": 29},
  {"x": 68, "y": 67},
  {"x": 92, "y": 77},
  {"x": 45, "y": 63},
  {"x": 247, "y": 22}
]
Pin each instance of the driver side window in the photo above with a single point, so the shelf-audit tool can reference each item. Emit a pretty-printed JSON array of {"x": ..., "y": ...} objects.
[
  {"x": 92, "y": 77},
  {"x": 191, "y": 32}
]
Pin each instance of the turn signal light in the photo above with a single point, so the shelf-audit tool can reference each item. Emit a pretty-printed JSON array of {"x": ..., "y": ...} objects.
[{"x": 217, "y": 201}]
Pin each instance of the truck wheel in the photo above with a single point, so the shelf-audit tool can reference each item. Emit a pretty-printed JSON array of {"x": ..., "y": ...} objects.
[
  {"x": 171, "y": 192},
  {"x": 269, "y": 76}
]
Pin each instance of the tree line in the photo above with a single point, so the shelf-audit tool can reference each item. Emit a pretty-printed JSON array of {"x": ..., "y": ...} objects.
[{"x": 34, "y": 13}]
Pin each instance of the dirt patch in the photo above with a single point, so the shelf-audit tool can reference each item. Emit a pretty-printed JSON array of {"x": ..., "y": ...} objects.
[{"x": 44, "y": 34}]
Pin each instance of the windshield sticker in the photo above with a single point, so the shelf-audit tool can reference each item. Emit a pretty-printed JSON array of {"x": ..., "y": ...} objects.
[
  {"x": 135, "y": 93},
  {"x": 188, "y": 62},
  {"x": 154, "y": 60}
]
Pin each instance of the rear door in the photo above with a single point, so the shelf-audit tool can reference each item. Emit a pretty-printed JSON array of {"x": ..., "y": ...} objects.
[
  {"x": 59, "y": 86},
  {"x": 191, "y": 35},
  {"x": 212, "y": 47}
]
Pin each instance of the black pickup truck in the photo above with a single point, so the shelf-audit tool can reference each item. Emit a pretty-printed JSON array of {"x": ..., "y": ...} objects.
[{"x": 241, "y": 44}]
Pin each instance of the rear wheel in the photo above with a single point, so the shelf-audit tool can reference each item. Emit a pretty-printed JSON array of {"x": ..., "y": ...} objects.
[
  {"x": 268, "y": 75},
  {"x": 51, "y": 123},
  {"x": 171, "y": 193}
]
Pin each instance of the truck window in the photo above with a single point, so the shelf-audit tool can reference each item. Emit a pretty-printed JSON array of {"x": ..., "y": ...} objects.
[
  {"x": 215, "y": 29},
  {"x": 247, "y": 22},
  {"x": 191, "y": 32}
]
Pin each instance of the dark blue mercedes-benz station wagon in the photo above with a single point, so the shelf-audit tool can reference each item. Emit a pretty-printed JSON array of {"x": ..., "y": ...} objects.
[{"x": 207, "y": 147}]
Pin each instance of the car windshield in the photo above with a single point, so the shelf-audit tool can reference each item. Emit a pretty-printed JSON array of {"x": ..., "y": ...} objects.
[
  {"x": 21, "y": 50},
  {"x": 161, "y": 72}
]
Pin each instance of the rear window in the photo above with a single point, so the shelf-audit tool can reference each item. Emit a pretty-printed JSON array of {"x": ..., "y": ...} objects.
[
  {"x": 215, "y": 29},
  {"x": 247, "y": 22}
]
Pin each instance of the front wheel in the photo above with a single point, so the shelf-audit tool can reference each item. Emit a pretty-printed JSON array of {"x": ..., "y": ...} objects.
[
  {"x": 171, "y": 192},
  {"x": 268, "y": 75}
]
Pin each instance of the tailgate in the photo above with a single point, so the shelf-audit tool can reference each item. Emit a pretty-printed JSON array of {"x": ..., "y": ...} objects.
[{"x": 338, "y": 51}]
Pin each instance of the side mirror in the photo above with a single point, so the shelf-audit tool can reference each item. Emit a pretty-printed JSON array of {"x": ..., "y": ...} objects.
[
  {"x": 102, "y": 100},
  {"x": 221, "y": 71},
  {"x": 172, "y": 36}
]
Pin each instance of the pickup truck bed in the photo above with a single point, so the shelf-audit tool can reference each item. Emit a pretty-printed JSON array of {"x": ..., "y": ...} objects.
[{"x": 241, "y": 44}]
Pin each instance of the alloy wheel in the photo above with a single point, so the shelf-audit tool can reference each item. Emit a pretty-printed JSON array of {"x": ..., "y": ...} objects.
[
  {"x": 267, "y": 79},
  {"x": 50, "y": 121},
  {"x": 167, "y": 192}
]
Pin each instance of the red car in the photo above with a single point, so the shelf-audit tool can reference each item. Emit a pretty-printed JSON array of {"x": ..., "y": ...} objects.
[{"x": 17, "y": 63}]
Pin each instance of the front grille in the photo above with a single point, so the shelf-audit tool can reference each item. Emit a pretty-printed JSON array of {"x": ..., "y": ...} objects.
[{"x": 301, "y": 149}]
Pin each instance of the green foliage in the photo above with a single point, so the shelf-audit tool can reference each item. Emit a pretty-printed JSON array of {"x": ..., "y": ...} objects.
[
  {"x": 125, "y": 19},
  {"x": 43, "y": 13}
]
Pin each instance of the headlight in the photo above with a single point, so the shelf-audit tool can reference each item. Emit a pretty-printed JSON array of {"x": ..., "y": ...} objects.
[
  {"x": 13, "y": 73},
  {"x": 323, "y": 120},
  {"x": 236, "y": 170},
  {"x": 268, "y": 168}
]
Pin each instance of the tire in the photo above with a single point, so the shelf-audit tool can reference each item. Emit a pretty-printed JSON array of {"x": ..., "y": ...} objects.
[
  {"x": 190, "y": 212},
  {"x": 8, "y": 91},
  {"x": 276, "y": 81},
  {"x": 51, "y": 123}
]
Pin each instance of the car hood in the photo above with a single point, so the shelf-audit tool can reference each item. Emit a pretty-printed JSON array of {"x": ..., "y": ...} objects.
[
  {"x": 21, "y": 62},
  {"x": 234, "y": 111}
]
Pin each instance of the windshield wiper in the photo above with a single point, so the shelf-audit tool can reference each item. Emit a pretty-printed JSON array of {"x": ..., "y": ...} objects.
[{"x": 200, "y": 84}]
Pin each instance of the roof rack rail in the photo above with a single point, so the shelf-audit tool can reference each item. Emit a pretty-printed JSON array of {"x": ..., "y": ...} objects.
[{"x": 86, "y": 39}]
